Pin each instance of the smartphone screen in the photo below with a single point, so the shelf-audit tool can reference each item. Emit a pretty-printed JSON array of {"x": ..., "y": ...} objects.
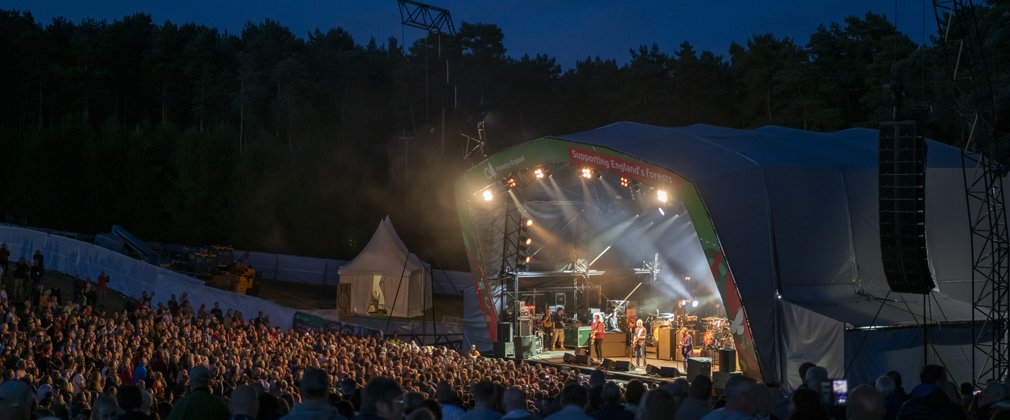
[{"x": 840, "y": 390}]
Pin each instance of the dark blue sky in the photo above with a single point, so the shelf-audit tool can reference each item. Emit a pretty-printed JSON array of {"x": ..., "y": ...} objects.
[{"x": 565, "y": 29}]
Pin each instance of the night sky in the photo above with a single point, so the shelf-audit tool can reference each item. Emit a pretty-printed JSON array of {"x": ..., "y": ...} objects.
[{"x": 568, "y": 30}]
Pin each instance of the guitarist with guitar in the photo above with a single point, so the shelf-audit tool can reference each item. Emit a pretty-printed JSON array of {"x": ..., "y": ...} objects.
[
  {"x": 638, "y": 344},
  {"x": 596, "y": 336},
  {"x": 686, "y": 345}
]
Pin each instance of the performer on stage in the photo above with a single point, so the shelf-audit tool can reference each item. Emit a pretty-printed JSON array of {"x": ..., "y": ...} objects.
[
  {"x": 638, "y": 344},
  {"x": 559, "y": 328},
  {"x": 547, "y": 323},
  {"x": 597, "y": 336},
  {"x": 686, "y": 345}
]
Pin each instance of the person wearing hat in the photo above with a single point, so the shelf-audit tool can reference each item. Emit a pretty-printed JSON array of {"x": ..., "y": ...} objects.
[
  {"x": 199, "y": 403},
  {"x": 16, "y": 400},
  {"x": 315, "y": 405}
]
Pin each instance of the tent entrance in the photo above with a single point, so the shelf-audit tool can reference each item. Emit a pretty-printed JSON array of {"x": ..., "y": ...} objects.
[{"x": 378, "y": 300}]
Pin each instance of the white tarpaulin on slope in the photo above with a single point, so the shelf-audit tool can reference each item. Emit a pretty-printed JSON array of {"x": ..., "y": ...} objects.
[
  {"x": 130, "y": 276},
  {"x": 386, "y": 271}
]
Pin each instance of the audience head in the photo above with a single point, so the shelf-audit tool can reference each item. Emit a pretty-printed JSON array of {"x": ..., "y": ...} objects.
[
  {"x": 815, "y": 377},
  {"x": 995, "y": 391},
  {"x": 483, "y": 393},
  {"x": 657, "y": 404},
  {"x": 806, "y": 403},
  {"x": 933, "y": 374},
  {"x": 199, "y": 377},
  {"x": 634, "y": 391},
  {"x": 885, "y": 385},
  {"x": 130, "y": 398},
  {"x": 611, "y": 393},
  {"x": 315, "y": 385},
  {"x": 864, "y": 402},
  {"x": 16, "y": 399},
  {"x": 739, "y": 390},
  {"x": 803, "y": 370},
  {"x": 514, "y": 399},
  {"x": 896, "y": 377},
  {"x": 382, "y": 397},
  {"x": 105, "y": 408},
  {"x": 701, "y": 388},
  {"x": 575, "y": 394},
  {"x": 244, "y": 402}
]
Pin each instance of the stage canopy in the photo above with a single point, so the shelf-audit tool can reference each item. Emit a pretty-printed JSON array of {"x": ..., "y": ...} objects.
[
  {"x": 784, "y": 220},
  {"x": 387, "y": 276}
]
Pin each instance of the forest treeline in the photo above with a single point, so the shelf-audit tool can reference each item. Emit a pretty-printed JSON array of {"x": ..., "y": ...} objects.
[{"x": 294, "y": 143}]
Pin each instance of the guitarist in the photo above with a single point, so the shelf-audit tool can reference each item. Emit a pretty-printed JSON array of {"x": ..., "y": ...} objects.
[
  {"x": 638, "y": 344},
  {"x": 686, "y": 345},
  {"x": 547, "y": 324},
  {"x": 597, "y": 335}
]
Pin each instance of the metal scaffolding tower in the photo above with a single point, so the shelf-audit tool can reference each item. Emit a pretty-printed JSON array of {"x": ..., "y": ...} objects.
[{"x": 971, "y": 77}]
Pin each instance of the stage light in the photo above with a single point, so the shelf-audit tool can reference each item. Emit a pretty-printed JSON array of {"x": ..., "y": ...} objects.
[
  {"x": 587, "y": 173},
  {"x": 694, "y": 304},
  {"x": 488, "y": 195},
  {"x": 662, "y": 196},
  {"x": 540, "y": 172},
  {"x": 625, "y": 182},
  {"x": 529, "y": 222},
  {"x": 687, "y": 277},
  {"x": 511, "y": 182},
  {"x": 529, "y": 241},
  {"x": 528, "y": 259},
  {"x": 661, "y": 212}
]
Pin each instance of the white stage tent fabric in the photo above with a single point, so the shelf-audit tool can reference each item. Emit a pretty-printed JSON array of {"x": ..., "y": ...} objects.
[
  {"x": 132, "y": 277},
  {"x": 385, "y": 267},
  {"x": 797, "y": 214}
]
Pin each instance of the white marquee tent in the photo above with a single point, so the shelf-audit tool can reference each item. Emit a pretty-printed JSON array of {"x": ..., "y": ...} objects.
[{"x": 386, "y": 275}]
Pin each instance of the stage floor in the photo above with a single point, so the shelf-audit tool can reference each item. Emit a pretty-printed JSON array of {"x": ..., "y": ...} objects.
[{"x": 556, "y": 358}]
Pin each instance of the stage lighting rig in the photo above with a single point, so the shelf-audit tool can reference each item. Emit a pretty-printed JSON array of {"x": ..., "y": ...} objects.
[
  {"x": 488, "y": 195},
  {"x": 510, "y": 182},
  {"x": 540, "y": 172},
  {"x": 625, "y": 182},
  {"x": 662, "y": 196},
  {"x": 587, "y": 173}
]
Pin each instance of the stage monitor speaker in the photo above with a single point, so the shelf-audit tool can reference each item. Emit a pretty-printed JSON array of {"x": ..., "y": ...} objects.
[
  {"x": 526, "y": 346},
  {"x": 699, "y": 366},
  {"x": 504, "y": 332},
  {"x": 568, "y": 358},
  {"x": 581, "y": 359},
  {"x": 669, "y": 372},
  {"x": 651, "y": 370},
  {"x": 608, "y": 364},
  {"x": 902, "y": 208},
  {"x": 622, "y": 366},
  {"x": 727, "y": 360},
  {"x": 504, "y": 350}
]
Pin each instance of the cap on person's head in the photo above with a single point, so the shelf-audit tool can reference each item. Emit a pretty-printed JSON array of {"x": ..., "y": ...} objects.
[
  {"x": 44, "y": 391},
  {"x": 315, "y": 384},
  {"x": 16, "y": 392},
  {"x": 199, "y": 376}
]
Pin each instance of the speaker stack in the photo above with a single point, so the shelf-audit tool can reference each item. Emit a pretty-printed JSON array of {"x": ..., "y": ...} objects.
[{"x": 902, "y": 208}]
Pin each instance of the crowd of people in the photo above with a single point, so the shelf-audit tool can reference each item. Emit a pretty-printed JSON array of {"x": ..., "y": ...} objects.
[{"x": 71, "y": 359}]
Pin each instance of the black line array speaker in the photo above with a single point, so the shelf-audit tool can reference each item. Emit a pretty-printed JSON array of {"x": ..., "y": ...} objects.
[
  {"x": 902, "y": 200},
  {"x": 504, "y": 332}
]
